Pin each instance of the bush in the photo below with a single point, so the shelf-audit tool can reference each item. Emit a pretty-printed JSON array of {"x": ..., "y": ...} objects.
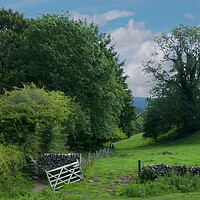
[
  {"x": 118, "y": 135},
  {"x": 12, "y": 181},
  {"x": 162, "y": 185},
  {"x": 147, "y": 175},
  {"x": 32, "y": 118}
]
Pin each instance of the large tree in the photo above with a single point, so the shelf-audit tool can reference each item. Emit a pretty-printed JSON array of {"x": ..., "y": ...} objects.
[
  {"x": 12, "y": 26},
  {"x": 178, "y": 79},
  {"x": 74, "y": 57}
]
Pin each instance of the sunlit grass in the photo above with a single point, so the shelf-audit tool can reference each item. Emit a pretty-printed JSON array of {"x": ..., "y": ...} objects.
[
  {"x": 104, "y": 178},
  {"x": 106, "y": 172},
  {"x": 132, "y": 142}
]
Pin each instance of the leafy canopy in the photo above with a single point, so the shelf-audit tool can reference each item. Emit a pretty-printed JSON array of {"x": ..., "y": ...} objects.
[
  {"x": 74, "y": 57},
  {"x": 176, "y": 94}
]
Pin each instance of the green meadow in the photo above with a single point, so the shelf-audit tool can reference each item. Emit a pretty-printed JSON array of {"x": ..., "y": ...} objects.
[{"x": 108, "y": 176}]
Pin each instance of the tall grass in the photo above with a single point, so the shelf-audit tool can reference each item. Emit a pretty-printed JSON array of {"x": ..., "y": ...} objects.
[{"x": 162, "y": 185}]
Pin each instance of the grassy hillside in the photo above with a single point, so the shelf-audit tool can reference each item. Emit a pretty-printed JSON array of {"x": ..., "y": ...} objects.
[
  {"x": 111, "y": 173},
  {"x": 105, "y": 178},
  {"x": 184, "y": 151}
]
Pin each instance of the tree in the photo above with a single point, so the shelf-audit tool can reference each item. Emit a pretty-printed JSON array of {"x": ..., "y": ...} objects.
[
  {"x": 138, "y": 123},
  {"x": 74, "y": 57},
  {"x": 128, "y": 114},
  {"x": 34, "y": 119},
  {"x": 160, "y": 117},
  {"x": 12, "y": 26},
  {"x": 178, "y": 80}
]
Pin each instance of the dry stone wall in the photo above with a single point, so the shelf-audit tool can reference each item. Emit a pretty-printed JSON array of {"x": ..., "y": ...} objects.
[
  {"x": 153, "y": 171},
  {"x": 50, "y": 161}
]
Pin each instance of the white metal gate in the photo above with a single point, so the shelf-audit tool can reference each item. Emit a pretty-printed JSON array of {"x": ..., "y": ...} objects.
[{"x": 64, "y": 175}]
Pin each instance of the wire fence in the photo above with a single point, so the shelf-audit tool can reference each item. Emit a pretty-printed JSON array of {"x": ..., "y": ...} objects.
[{"x": 88, "y": 160}]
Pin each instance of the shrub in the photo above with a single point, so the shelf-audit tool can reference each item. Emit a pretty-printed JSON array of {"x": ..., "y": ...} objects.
[
  {"x": 12, "y": 180},
  {"x": 162, "y": 185},
  {"x": 118, "y": 135},
  {"x": 32, "y": 118},
  {"x": 147, "y": 175}
]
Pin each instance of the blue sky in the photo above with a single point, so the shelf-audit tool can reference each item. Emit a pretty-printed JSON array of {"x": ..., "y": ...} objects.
[{"x": 132, "y": 23}]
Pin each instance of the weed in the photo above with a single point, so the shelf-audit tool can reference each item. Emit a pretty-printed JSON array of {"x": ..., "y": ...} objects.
[
  {"x": 161, "y": 186},
  {"x": 166, "y": 152}
]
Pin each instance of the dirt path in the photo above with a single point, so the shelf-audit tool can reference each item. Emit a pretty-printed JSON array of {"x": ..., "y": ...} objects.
[{"x": 38, "y": 185}]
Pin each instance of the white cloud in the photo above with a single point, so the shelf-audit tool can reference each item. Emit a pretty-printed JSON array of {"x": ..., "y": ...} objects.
[
  {"x": 102, "y": 19},
  {"x": 189, "y": 16},
  {"x": 135, "y": 43},
  {"x": 114, "y": 14}
]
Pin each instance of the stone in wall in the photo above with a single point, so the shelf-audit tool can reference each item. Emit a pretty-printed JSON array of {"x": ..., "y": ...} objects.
[
  {"x": 32, "y": 167},
  {"x": 50, "y": 161},
  {"x": 153, "y": 171}
]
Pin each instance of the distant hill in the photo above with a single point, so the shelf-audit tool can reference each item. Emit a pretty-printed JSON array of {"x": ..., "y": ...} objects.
[{"x": 140, "y": 102}]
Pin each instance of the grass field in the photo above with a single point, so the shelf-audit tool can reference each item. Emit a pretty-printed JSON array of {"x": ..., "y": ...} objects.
[{"x": 107, "y": 176}]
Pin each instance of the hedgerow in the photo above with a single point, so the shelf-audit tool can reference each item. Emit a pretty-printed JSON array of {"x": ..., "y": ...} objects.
[{"x": 13, "y": 180}]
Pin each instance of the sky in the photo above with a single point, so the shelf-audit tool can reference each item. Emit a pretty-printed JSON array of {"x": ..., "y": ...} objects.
[{"x": 133, "y": 24}]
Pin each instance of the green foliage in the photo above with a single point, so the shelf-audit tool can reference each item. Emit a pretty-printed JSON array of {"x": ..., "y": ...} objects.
[
  {"x": 58, "y": 53},
  {"x": 118, "y": 135},
  {"x": 12, "y": 26},
  {"x": 176, "y": 93},
  {"x": 162, "y": 185},
  {"x": 78, "y": 129},
  {"x": 12, "y": 180},
  {"x": 75, "y": 58},
  {"x": 108, "y": 176},
  {"x": 11, "y": 20},
  {"x": 128, "y": 114},
  {"x": 147, "y": 174},
  {"x": 138, "y": 123},
  {"x": 158, "y": 118},
  {"x": 32, "y": 118}
]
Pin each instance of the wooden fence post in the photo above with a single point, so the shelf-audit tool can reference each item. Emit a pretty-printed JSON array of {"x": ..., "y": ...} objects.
[
  {"x": 80, "y": 157},
  {"x": 139, "y": 166}
]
